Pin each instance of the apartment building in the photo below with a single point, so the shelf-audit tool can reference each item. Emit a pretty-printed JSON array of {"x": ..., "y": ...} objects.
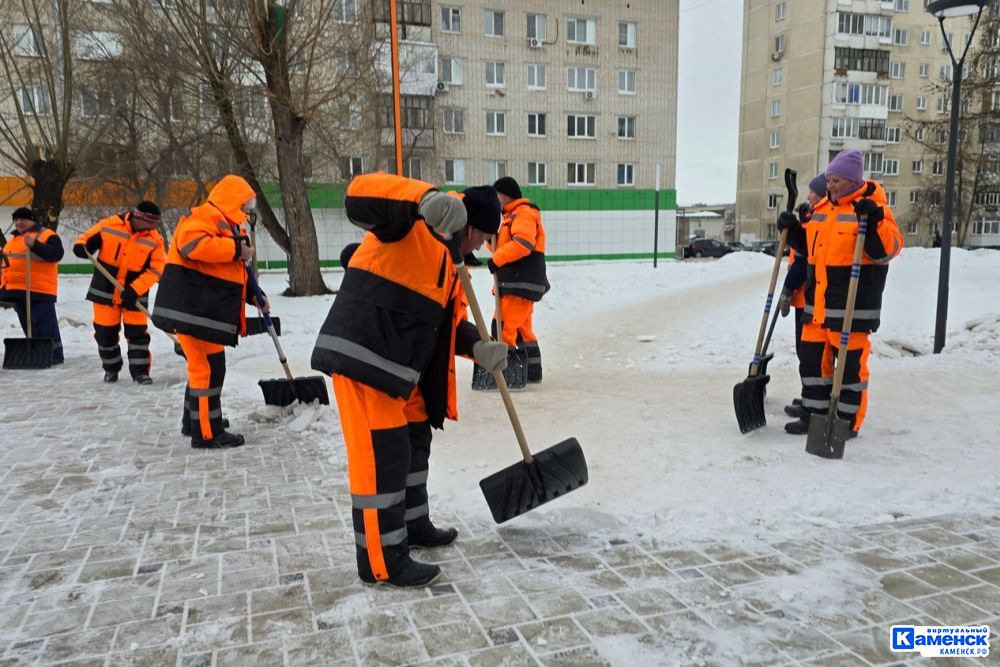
[{"x": 822, "y": 76}]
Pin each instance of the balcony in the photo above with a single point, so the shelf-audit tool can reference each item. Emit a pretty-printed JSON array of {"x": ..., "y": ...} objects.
[{"x": 410, "y": 12}]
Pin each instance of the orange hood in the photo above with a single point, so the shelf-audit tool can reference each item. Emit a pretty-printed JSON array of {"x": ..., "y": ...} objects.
[{"x": 229, "y": 195}]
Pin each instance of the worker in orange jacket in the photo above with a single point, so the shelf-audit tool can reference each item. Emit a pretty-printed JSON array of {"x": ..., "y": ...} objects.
[
  {"x": 828, "y": 242},
  {"x": 31, "y": 242},
  {"x": 794, "y": 289},
  {"x": 130, "y": 247},
  {"x": 201, "y": 299},
  {"x": 389, "y": 342},
  {"x": 519, "y": 263}
]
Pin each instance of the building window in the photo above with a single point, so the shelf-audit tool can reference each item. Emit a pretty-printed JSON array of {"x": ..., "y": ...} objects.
[
  {"x": 452, "y": 71},
  {"x": 946, "y": 72},
  {"x": 415, "y": 112},
  {"x": 890, "y": 168},
  {"x": 902, "y": 5},
  {"x": 937, "y": 168},
  {"x": 581, "y": 127},
  {"x": 917, "y": 166},
  {"x": 923, "y": 70},
  {"x": 581, "y": 31},
  {"x": 942, "y": 105},
  {"x": 581, "y": 79},
  {"x": 775, "y": 138},
  {"x": 454, "y": 121},
  {"x": 536, "y": 27},
  {"x": 775, "y": 108},
  {"x": 493, "y": 23},
  {"x": 779, "y": 12},
  {"x": 97, "y": 45},
  {"x": 926, "y": 37},
  {"x": 626, "y": 175},
  {"x": 344, "y": 11},
  {"x": 35, "y": 101},
  {"x": 411, "y": 167},
  {"x": 921, "y": 102},
  {"x": 355, "y": 166},
  {"x": 897, "y": 70},
  {"x": 872, "y": 25},
  {"x": 844, "y": 127},
  {"x": 899, "y": 36},
  {"x": 496, "y": 123},
  {"x": 581, "y": 173},
  {"x": 919, "y": 134},
  {"x": 95, "y": 104},
  {"x": 772, "y": 170},
  {"x": 626, "y": 35},
  {"x": 536, "y": 77},
  {"x": 777, "y": 76},
  {"x": 892, "y": 135},
  {"x": 495, "y": 169},
  {"x": 626, "y": 127},
  {"x": 626, "y": 82},
  {"x": 914, "y": 197},
  {"x": 451, "y": 19},
  {"x": 896, "y": 103},
  {"x": 873, "y": 163},
  {"x": 773, "y": 200},
  {"x": 536, "y": 125},
  {"x": 890, "y": 195},
  {"x": 536, "y": 173},
  {"x": 862, "y": 60},
  {"x": 495, "y": 74},
  {"x": 26, "y": 40},
  {"x": 911, "y": 228},
  {"x": 779, "y": 44},
  {"x": 454, "y": 171}
]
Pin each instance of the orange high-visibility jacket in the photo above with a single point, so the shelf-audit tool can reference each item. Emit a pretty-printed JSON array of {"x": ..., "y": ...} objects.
[
  {"x": 203, "y": 289},
  {"x": 830, "y": 237},
  {"x": 798, "y": 299},
  {"x": 136, "y": 259},
  {"x": 520, "y": 252},
  {"x": 45, "y": 255},
  {"x": 393, "y": 322}
]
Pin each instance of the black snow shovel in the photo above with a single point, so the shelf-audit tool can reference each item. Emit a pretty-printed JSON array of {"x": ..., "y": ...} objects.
[
  {"x": 256, "y": 325},
  {"x": 118, "y": 285},
  {"x": 287, "y": 390},
  {"x": 828, "y": 433},
  {"x": 748, "y": 396},
  {"x": 539, "y": 478},
  {"x": 516, "y": 373},
  {"x": 27, "y": 353}
]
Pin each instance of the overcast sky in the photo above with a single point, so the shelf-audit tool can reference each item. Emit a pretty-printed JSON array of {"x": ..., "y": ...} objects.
[{"x": 708, "y": 100}]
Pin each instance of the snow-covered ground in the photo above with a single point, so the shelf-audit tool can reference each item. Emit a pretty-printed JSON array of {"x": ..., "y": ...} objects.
[{"x": 639, "y": 366}]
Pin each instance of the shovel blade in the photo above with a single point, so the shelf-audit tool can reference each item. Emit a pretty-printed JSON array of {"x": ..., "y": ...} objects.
[
  {"x": 524, "y": 486},
  {"x": 762, "y": 367},
  {"x": 27, "y": 353},
  {"x": 828, "y": 435},
  {"x": 256, "y": 325},
  {"x": 282, "y": 392},
  {"x": 748, "y": 399}
]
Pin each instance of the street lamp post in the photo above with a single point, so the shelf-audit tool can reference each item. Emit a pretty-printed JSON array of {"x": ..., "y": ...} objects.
[{"x": 943, "y": 9}]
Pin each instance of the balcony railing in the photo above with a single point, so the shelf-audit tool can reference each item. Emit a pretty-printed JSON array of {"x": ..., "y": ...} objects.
[{"x": 412, "y": 12}]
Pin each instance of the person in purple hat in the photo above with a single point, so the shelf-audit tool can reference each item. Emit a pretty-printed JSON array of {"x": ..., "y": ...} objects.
[{"x": 828, "y": 243}]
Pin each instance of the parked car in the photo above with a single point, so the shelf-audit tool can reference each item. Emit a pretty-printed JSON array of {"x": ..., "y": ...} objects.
[
  {"x": 737, "y": 246},
  {"x": 768, "y": 248},
  {"x": 706, "y": 248}
]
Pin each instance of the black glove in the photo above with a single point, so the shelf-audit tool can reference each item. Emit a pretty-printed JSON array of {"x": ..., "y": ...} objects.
[
  {"x": 784, "y": 302},
  {"x": 805, "y": 212},
  {"x": 80, "y": 250},
  {"x": 492, "y": 266},
  {"x": 129, "y": 298},
  {"x": 787, "y": 221},
  {"x": 94, "y": 244},
  {"x": 866, "y": 207}
]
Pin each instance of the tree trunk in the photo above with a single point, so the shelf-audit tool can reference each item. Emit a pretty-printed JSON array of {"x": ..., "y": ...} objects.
[
  {"x": 304, "y": 276},
  {"x": 50, "y": 180}
]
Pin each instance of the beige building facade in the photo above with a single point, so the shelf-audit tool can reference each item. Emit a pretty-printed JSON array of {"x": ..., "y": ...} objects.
[{"x": 819, "y": 76}]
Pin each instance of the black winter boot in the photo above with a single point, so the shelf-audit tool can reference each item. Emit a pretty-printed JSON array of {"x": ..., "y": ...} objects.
[
  {"x": 222, "y": 441},
  {"x": 424, "y": 534},
  {"x": 142, "y": 378},
  {"x": 111, "y": 376},
  {"x": 414, "y": 575},
  {"x": 798, "y": 427},
  {"x": 186, "y": 428},
  {"x": 795, "y": 409}
]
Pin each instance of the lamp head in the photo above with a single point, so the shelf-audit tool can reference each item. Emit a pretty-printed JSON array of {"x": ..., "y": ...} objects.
[{"x": 944, "y": 9}]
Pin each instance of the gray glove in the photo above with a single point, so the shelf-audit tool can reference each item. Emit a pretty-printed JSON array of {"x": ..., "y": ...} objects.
[
  {"x": 490, "y": 355},
  {"x": 784, "y": 301},
  {"x": 444, "y": 213}
]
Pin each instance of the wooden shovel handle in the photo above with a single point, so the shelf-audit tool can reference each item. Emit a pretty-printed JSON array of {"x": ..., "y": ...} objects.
[
  {"x": 114, "y": 281},
  {"x": 484, "y": 335}
]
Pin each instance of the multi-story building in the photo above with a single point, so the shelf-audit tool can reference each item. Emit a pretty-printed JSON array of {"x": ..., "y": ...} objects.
[{"x": 819, "y": 77}]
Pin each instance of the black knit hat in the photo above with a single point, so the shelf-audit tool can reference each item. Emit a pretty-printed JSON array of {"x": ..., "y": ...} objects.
[
  {"x": 347, "y": 253},
  {"x": 482, "y": 208},
  {"x": 508, "y": 186},
  {"x": 23, "y": 213},
  {"x": 148, "y": 207},
  {"x": 147, "y": 211}
]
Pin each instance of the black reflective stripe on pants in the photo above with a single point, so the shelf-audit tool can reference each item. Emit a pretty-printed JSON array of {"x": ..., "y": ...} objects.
[
  {"x": 139, "y": 358},
  {"x": 417, "y": 506},
  {"x": 107, "y": 347}
]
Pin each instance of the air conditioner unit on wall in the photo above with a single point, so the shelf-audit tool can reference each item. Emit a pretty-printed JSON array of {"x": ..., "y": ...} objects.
[
  {"x": 442, "y": 87},
  {"x": 534, "y": 42},
  {"x": 776, "y": 55},
  {"x": 589, "y": 95}
]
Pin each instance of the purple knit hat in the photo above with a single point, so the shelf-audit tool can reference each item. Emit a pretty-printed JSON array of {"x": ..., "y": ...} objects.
[{"x": 849, "y": 164}]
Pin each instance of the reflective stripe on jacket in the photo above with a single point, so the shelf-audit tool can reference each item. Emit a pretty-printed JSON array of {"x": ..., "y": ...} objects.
[
  {"x": 203, "y": 289},
  {"x": 392, "y": 324},
  {"x": 136, "y": 259},
  {"x": 45, "y": 256},
  {"x": 520, "y": 252},
  {"x": 831, "y": 235}
]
